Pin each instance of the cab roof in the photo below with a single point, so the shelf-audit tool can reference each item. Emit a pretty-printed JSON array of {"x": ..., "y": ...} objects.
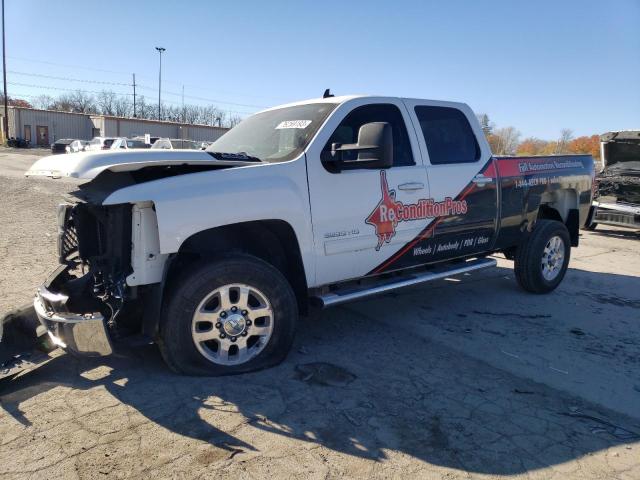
[{"x": 346, "y": 98}]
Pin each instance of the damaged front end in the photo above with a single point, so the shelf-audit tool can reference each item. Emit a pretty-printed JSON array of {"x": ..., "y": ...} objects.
[
  {"x": 80, "y": 301},
  {"x": 109, "y": 284},
  {"x": 617, "y": 186}
]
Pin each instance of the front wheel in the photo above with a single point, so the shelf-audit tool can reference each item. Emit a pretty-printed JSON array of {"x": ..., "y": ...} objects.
[
  {"x": 542, "y": 257},
  {"x": 231, "y": 316}
]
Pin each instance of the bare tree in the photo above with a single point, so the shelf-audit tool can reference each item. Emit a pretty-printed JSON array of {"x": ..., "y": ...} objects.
[
  {"x": 233, "y": 121},
  {"x": 212, "y": 115},
  {"x": 566, "y": 135},
  {"x": 144, "y": 109},
  {"x": 64, "y": 103},
  {"x": 504, "y": 141},
  {"x": 192, "y": 114},
  {"x": 123, "y": 107},
  {"x": 106, "y": 100},
  {"x": 44, "y": 102},
  {"x": 82, "y": 102}
]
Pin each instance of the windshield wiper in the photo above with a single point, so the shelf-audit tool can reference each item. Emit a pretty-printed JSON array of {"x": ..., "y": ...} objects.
[{"x": 241, "y": 156}]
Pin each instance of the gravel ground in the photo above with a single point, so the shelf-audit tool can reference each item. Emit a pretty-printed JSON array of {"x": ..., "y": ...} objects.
[{"x": 465, "y": 378}]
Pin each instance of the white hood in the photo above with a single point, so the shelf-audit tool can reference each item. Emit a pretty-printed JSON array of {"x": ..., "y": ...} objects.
[{"x": 88, "y": 165}]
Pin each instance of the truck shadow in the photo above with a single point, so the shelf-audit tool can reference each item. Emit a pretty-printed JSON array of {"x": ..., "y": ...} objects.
[{"x": 352, "y": 385}]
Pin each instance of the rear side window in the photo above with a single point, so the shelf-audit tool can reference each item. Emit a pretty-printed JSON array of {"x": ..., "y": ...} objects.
[
  {"x": 448, "y": 135},
  {"x": 347, "y": 131}
]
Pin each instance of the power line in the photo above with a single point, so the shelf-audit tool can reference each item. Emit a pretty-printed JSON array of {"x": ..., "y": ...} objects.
[
  {"x": 64, "y": 65},
  {"x": 69, "y": 79},
  {"x": 206, "y": 99},
  {"x": 47, "y": 87},
  {"x": 178, "y": 104},
  {"x": 100, "y": 82},
  {"x": 83, "y": 67}
]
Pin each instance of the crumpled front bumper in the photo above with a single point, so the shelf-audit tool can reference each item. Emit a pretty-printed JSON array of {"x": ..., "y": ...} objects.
[
  {"x": 82, "y": 333},
  {"x": 619, "y": 214}
]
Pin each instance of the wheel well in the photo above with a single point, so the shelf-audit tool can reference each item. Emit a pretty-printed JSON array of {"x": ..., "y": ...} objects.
[
  {"x": 572, "y": 221},
  {"x": 549, "y": 213},
  {"x": 273, "y": 241}
]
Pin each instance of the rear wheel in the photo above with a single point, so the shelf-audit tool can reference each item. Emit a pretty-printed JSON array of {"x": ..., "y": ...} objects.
[
  {"x": 232, "y": 316},
  {"x": 542, "y": 258}
]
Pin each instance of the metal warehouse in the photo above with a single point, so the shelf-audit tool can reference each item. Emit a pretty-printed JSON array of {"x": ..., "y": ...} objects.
[{"x": 43, "y": 127}]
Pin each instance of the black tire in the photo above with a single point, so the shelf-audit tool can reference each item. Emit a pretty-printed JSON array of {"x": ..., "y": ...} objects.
[
  {"x": 528, "y": 259},
  {"x": 176, "y": 343}
]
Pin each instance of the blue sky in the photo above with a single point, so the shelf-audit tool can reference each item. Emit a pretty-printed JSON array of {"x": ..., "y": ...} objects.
[{"x": 538, "y": 65}]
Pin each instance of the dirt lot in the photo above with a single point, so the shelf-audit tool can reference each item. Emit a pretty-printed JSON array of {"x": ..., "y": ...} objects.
[{"x": 465, "y": 378}]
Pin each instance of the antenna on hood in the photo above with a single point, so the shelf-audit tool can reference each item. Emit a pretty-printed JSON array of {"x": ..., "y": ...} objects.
[{"x": 327, "y": 93}]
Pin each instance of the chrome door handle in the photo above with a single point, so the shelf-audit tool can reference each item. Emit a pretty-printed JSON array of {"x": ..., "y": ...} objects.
[
  {"x": 481, "y": 180},
  {"x": 411, "y": 186}
]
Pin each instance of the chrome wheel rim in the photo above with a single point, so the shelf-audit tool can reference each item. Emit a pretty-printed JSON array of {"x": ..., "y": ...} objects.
[
  {"x": 232, "y": 324},
  {"x": 552, "y": 258}
]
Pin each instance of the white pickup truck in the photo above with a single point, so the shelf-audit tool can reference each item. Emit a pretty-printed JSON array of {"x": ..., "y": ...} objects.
[{"x": 214, "y": 254}]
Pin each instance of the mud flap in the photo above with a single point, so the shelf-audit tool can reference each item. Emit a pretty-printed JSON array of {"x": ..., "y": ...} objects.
[{"x": 24, "y": 343}]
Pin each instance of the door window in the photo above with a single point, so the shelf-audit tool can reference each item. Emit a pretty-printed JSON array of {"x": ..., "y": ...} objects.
[
  {"x": 347, "y": 131},
  {"x": 448, "y": 135}
]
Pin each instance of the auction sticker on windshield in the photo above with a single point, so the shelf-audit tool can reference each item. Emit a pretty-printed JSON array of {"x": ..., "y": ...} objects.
[{"x": 293, "y": 124}]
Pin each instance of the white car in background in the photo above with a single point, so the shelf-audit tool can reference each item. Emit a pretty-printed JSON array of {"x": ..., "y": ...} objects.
[
  {"x": 128, "y": 143},
  {"x": 100, "y": 143},
  {"x": 177, "y": 144},
  {"x": 68, "y": 145}
]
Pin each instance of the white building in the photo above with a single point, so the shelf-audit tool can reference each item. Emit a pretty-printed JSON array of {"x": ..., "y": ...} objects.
[{"x": 43, "y": 127}]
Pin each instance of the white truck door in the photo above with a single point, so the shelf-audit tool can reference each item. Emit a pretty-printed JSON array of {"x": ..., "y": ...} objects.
[
  {"x": 361, "y": 216},
  {"x": 460, "y": 167}
]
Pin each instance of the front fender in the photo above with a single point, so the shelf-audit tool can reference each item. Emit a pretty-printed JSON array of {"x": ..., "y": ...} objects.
[{"x": 188, "y": 204}]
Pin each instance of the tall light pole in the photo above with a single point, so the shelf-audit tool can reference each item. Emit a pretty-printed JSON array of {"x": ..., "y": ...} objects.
[
  {"x": 160, "y": 50},
  {"x": 4, "y": 77}
]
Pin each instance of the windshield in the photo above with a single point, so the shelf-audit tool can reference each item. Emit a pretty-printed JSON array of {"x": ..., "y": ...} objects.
[{"x": 276, "y": 135}]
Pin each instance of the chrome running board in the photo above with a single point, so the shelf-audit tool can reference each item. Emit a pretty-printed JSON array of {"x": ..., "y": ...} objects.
[{"x": 349, "y": 294}]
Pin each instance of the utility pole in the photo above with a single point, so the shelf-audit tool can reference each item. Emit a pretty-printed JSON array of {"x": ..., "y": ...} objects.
[
  {"x": 184, "y": 112},
  {"x": 4, "y": 78},
  {"x": 160, "y": 50},
  {"x": 134, "y": 95}
]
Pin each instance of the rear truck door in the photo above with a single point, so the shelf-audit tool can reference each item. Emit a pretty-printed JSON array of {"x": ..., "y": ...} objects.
[
  {"x": 358, "y": 213},
  {"x": 462, "y": 177}
]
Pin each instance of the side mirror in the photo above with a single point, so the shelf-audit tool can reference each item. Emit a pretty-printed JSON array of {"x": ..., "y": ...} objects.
[{"x": 374, "y": 148}]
